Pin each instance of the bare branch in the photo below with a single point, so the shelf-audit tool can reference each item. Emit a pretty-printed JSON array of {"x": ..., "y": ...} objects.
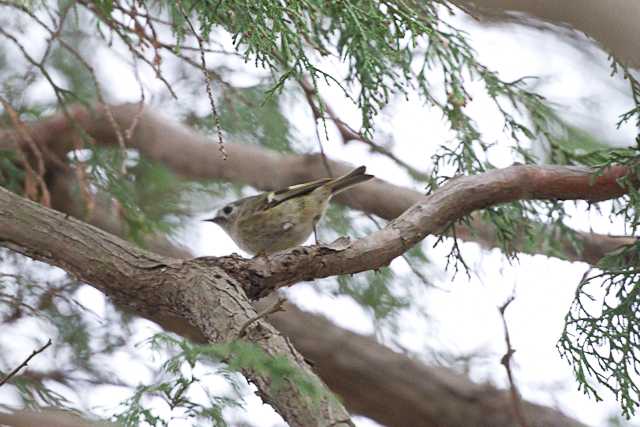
[
  {"x": 506, "y": 362},
  {"x": 274, "y": 308},
  {"x": 25, "y": 363}
]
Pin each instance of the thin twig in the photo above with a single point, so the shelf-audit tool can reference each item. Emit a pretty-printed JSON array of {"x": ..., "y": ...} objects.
[
  {"x": 122, "y": 140},
  {"x": 25, "y": 363},
  {"x": 347, "y": 133},
  {"x": 506, "y": 362},
  {"x": 119, "y": 29},
  {"x": 207, "y": 80},
  {"x": 24, "y": 133},
  {"x": 273, "y": 308},
  {"x": 55, "y": 33},
  {"x": 317, "y": 113}
]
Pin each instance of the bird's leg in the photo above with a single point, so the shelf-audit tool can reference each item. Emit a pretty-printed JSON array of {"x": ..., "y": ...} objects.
[
  {"x": 315, "y": 233},
  {"x": 315, "y": 230}
]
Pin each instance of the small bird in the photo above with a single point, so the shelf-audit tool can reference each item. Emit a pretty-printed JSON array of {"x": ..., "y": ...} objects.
[{"x": 277, "y": 220}]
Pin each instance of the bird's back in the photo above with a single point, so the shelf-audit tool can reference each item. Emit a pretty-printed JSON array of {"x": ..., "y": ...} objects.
[{"x": 285, "y": 225}]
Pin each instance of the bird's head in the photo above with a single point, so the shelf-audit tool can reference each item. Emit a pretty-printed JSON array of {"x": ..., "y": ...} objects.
[{"x": 225, "y": 216}]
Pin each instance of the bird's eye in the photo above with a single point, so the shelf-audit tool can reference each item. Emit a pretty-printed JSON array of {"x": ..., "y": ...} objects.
[{"x": 227, "y": 210}]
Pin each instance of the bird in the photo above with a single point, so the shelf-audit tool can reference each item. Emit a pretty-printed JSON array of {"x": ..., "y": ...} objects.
[{"x": 277, "y": 220}]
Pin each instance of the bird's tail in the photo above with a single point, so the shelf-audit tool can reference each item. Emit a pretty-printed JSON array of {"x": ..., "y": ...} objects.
[{"x": 344, "y": 182}]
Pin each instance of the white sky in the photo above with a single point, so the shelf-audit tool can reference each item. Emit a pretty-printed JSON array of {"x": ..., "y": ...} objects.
[{"x": 463, "y": 315}]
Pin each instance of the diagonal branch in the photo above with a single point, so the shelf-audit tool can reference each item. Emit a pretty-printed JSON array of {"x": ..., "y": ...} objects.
[
  {"x": 25, "y": 362},
  {"x": 451, "y": 202}
]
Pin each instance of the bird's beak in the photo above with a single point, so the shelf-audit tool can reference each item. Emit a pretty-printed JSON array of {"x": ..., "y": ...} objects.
[{"x": 217, "y": 219}]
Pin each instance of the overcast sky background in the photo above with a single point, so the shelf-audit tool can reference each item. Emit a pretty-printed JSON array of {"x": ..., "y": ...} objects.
[{"x": 463, "y": 312}]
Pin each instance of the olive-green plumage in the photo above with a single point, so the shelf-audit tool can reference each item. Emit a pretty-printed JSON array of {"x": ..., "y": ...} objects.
[{"x": 277, "y": 220}]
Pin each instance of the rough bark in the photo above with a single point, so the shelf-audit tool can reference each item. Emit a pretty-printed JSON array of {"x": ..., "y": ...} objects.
[
  {"x": 195, "y": 156},
  {"x": 612, "y": 23},
  {"x": 153, "y": 285}
]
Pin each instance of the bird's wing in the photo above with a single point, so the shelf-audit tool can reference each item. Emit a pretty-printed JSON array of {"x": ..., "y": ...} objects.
[{"x": 274, "y": 198}]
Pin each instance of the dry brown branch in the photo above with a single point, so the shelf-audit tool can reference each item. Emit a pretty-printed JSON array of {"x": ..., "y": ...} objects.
[{"x": 25, "y": 362}]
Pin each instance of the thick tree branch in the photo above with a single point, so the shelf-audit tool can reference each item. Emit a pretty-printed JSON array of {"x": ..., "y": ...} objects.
[
  {"x": 413, "y": 392},
  {"x": 49, "y": 418},
  {"x": 154, "y": 285},
  {"x": 195, "y": 156},
  {"x": 451, "y": 202}
]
